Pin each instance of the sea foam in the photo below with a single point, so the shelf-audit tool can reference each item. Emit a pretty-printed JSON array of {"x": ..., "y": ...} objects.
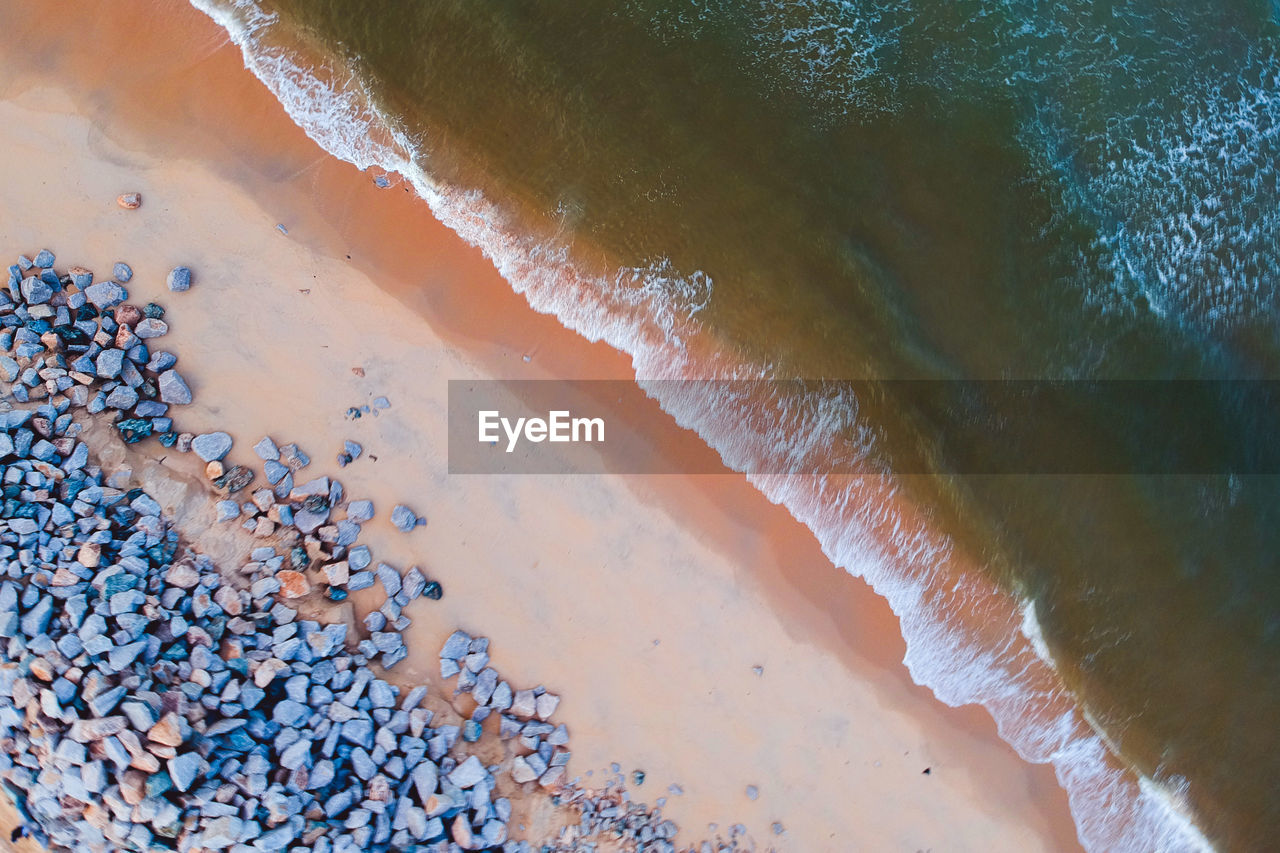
[{"x": 966, "y": 638}]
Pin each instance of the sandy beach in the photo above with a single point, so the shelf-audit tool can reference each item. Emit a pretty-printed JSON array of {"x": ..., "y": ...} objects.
[{"x": 646, "y": 603}]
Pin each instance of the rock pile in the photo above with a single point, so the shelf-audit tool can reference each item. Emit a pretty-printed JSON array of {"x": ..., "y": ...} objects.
[
  {"x": 150, "y": 701},
  {"x": 150, "y": 704}
]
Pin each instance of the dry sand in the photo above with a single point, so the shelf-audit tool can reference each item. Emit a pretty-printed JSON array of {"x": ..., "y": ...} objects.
[{"x": 644, "y": 602}]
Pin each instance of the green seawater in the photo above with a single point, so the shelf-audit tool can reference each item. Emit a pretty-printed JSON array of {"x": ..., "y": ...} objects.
[{"x": 978, "y": 189}]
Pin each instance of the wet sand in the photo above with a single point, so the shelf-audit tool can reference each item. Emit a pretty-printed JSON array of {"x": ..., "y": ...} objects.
[{"x": 645, "y": 602}]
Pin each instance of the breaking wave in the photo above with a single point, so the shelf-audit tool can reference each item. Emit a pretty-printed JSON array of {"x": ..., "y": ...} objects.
[{"x": 967, "y": 640}]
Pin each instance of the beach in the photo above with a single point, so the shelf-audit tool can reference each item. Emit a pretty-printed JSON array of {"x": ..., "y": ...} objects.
[{"x": 647, "y": 604}]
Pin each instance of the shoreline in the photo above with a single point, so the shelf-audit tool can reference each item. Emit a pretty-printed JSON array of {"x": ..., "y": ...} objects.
[{"x": 799, "y": 600}]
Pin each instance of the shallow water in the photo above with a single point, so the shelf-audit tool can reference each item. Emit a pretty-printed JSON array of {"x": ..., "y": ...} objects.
[{"x": 948, "y": 191}]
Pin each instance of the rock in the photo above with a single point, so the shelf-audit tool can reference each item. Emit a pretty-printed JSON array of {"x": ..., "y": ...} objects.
[
  {"x": 151, "y": 328},
  {"x": 553, "y": 778},
  {"x": 167, "y": 731},
  {"x": 122, "y": 271},
  {"x": 179, "y": 279},
  {"x": 294, "y": 458},
  {"x": 173, "y": 388},
  {"x": 35, "y": 291},
  {"x": 274, "y": 471},
  {"x": 290, "y": 713},
  {"x": 457, "y": 647},
  {"x": 105, "y": 294},
  {"x": 129, "y": 201},
  {"x": 360, "y": 511},
  {"x": 293, "y": 584},
  {"x": 182, "y": 575},
  {"x": 521, "y": 771},
  {"x": 86, "y": 731},
  {"x": 337, "y": 573},
  {"x": 390, "y": 579},
  {"x": 128, "y": 315},
  {"x": 109, "y": 363},
  {"x": 122, "y": 397},
  {"x": 404, "y": 518},
  {"x": 267, "y": 450},
  {"x": 184, "y": 768},
  {"x": 235, "y": 479},
  {"x": 221, "y": 833},
  {"x": 469, "y": 773},
  {"x": 414, "y": 583},
  {"x": 89, "y": 555},
  {"x": 524, "y": 704},
  {"x": 212, "y": 446},
  {"x": 546, "y": 705},
  {"x": 80, "y": 277},
  {"x": 228, "y": 510}
]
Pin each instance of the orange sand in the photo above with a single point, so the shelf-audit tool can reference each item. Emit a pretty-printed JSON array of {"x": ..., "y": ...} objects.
[{"x": 644, "y": 602}]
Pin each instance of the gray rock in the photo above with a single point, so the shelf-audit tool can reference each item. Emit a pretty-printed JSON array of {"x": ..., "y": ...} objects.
[
  {"x": 173, "y": 388},
  {"x": 360, "y": 511},
  {"x": 457, "y": 646},
  {"x": 363, "y": 764},
  {"x": 140, "y": 715},
  {"x": 404, "y": 518},
  {"x": 184, "y": 768},
  {"x": 414, "y": 583},
  {"x": 502, "y": 696},
  {"x": 390, "y": 578},
  {"x": 524, "y": 704},
  {"x": 381, "y": 695},
  {"x": 290, "y": 713},
  {"x": 546, "y": 705},
  {"x": 267, "y": 450},
  {"x": 124, "y": 656},
  {"x": 521, "y": 771},
  {"x": 36, "y": 291},
  {"x": 297, "y": 755},
  {"x": 179, "y": 279},
  {"x": 106, "y": 294},
  {"x": 274, "y": 471},
  {"x": 150, "y": 327},
  {"x": 109, "y": 363},
  {"x": 122, "y": 397},
  {"x": 359, "y": 557},
  {"x": 212, "y": 446},
  {"x": 122, "y": 271},
  {"x": 486, "y": 684},
  {"x": 222, "y": 832},
  {"x": 469, "y": 773}
]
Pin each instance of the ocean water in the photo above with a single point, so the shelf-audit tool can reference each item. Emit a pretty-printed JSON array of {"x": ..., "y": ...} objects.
[{"x": 975, "y": 189}]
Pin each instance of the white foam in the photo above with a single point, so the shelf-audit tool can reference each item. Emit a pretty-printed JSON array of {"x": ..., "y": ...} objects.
[{"x": 650, "y": 313}]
